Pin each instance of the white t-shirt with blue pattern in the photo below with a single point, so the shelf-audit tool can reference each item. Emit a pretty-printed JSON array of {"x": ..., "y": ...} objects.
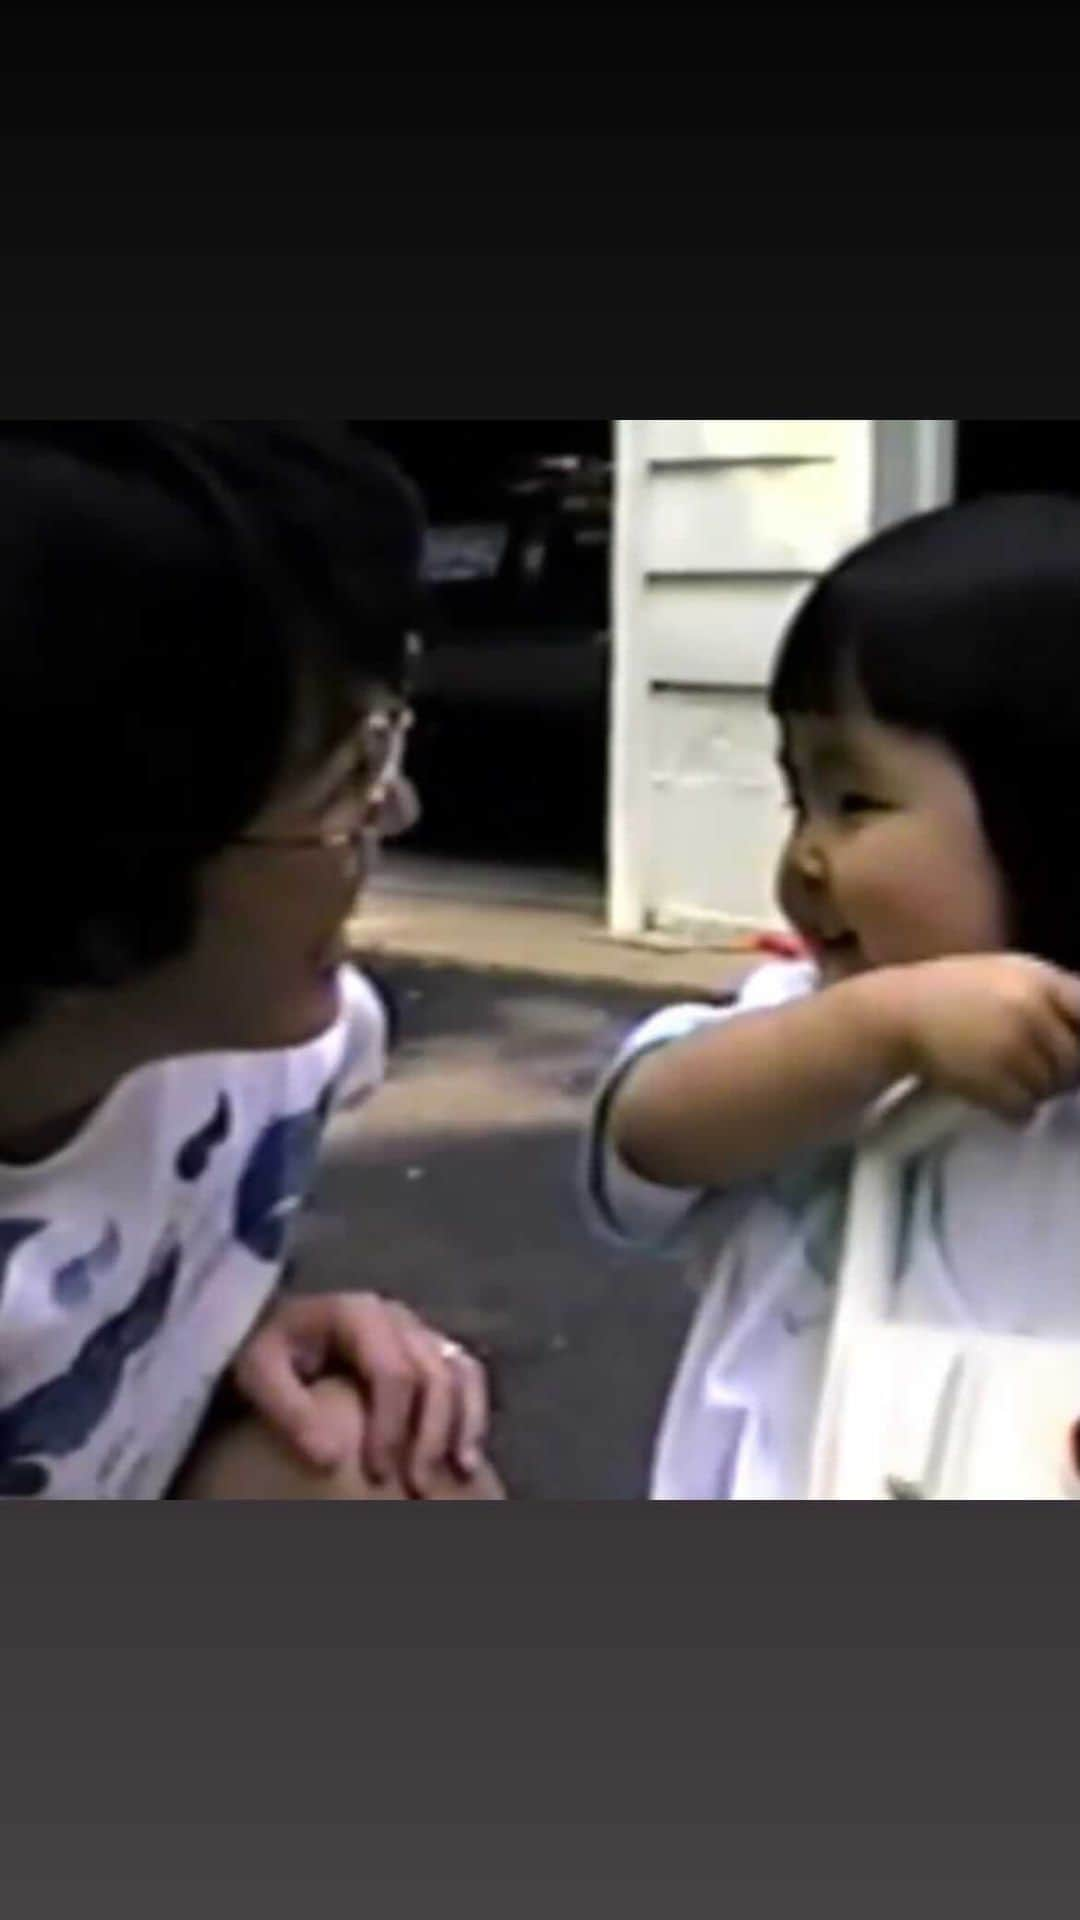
[{"x": 134, "y": 1263}]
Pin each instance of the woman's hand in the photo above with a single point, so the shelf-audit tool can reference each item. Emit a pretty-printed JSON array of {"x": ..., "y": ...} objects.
[{"x": 426, "y": 1398}]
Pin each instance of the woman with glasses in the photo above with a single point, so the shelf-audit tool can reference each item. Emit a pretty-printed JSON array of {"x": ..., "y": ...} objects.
[{"x": 204, "y": 631}]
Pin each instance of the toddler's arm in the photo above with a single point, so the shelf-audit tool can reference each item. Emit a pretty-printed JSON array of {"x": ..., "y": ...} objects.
[
  {"x": 999, "y": 1030},
  {"x": 737, "y": 1098}
]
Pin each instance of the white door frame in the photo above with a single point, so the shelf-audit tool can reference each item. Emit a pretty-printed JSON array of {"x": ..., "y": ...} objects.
[
  {"x": 628, "y": 785},
  {"x": 914, "y": 464},
  {"x": 914, "y": 468}
]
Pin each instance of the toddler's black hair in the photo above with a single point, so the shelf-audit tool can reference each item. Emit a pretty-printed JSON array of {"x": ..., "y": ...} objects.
[{"x": 964, "y": 626}]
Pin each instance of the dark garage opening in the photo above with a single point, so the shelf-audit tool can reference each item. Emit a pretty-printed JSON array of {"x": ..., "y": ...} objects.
[
  {"x": 1017, "y": 456},
  {"x": 512, "y": 694}
]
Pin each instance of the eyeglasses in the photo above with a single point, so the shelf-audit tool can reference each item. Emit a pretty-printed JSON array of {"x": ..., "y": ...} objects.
[{"x": 384, "y": 740}]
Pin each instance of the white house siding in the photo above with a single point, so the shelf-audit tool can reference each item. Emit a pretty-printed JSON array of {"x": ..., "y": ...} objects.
[{"x": 722, "y": 528}]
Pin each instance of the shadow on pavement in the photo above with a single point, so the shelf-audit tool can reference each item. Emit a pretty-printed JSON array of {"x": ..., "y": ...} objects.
[{"x": 456, "y": 1190}]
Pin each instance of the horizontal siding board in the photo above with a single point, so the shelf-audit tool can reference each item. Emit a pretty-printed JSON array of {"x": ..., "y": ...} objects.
[
  {"x": 666, "y": 440},
  {"x": 717, "y": 809},
  {"x": 721, "y": 463},
  {"x": 752, "y": 519},
  {"x": 717, "y": 632}
]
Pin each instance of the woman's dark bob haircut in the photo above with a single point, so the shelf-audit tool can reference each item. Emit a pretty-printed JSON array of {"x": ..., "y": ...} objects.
[{"x": 189, "y": 613}]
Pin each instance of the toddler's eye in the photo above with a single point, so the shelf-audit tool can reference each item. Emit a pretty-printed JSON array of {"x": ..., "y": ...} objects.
[{"x": 853, "y": 804}]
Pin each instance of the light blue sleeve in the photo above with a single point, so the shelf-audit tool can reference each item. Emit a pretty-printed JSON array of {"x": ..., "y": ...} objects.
[{"x": 618, "y": 1202}]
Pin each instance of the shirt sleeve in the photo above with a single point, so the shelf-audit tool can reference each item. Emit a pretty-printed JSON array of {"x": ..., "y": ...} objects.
[
  {"x": 618, "y": 1201},
  {"x": 364, "y": 1041}
]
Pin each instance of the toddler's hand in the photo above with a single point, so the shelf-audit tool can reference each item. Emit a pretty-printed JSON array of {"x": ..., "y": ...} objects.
[{"x": 999, "y": 1030}]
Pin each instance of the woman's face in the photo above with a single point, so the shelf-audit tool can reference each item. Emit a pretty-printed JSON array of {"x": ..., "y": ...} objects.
[{"x": 262, "y": 971}]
